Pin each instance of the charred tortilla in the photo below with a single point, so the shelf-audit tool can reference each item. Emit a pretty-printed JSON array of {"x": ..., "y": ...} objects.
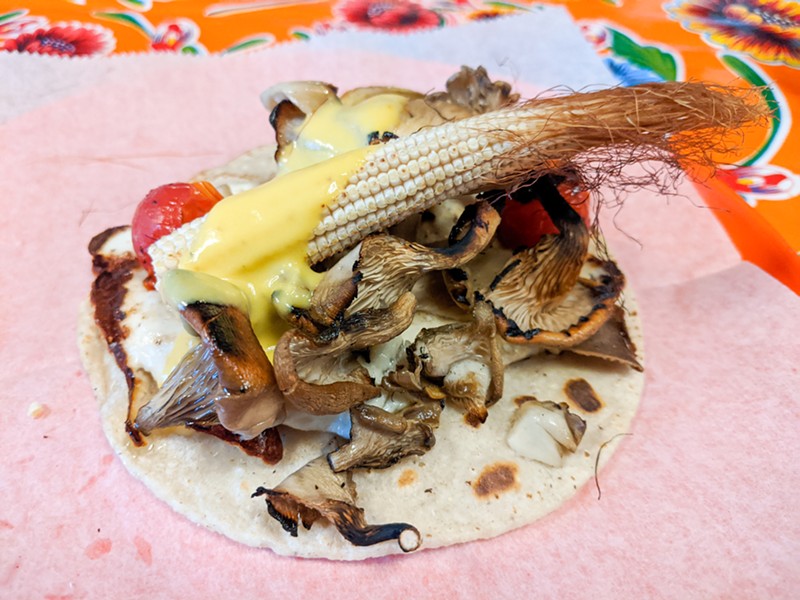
[{"x": 470, "y": 485}]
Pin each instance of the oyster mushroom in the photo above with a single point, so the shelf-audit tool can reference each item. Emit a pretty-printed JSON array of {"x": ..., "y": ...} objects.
[
  {"x": 322, "y": 376},
  {"x": 545, "y": 431},
  {"x": 466, "y": 359},
  {"x": 289, "y": 104},
  {"x": 548, "y": 294},
  {"x": 474, "y": 90},
  {"x": 611, "y": 342},
  {"x": 226, "y": 379},
  {"x": 382, "y": 268},
  {"x": 287, "y": 120},
  {"x": 306, "y": 96},
  {"x": 388, "y": 267},
  {"x": 468, "y": 93},
  {"x": 378, "y": 439},
  {"x": 315, "y": 492}
]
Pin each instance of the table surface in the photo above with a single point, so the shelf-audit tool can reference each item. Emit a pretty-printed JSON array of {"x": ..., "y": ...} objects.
[{"x": 758, "y": 41}]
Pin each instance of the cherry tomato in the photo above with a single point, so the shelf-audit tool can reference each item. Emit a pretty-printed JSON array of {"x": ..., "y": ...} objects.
[
  {"x": 164, "y": 210},
  {"x": 524, "y": 224}
]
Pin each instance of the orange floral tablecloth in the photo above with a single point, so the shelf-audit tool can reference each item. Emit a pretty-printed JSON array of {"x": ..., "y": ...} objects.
[{"x": 758, "y": 41}]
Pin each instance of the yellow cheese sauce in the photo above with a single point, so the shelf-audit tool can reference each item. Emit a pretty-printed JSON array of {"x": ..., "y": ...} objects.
[{"x": 256, "y": 240}]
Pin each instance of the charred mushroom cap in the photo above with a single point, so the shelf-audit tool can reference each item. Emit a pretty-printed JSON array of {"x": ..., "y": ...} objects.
[
  {"x": 544, "y": 295},
  {"x": 378, "y": 439},
  {"x": 227, "y": 375},
  {"x": 289, "y": 104},
  {"x": 611, "y": 342},
  {"x": 544, "y": 431},
  {"x": 387, "y": 267},
  {"x": 580, "y": 315},
  {"x": 473, "y": 89},
  {"x": 469, "y": 92},
  {"x": 253, "y": 401},
  {"x": 287, "y": 120},
  {"x": 457, "y": 281},
  {"x": 467, "y": 360},
  {"x": 307, "y": 96},
  {"x": 299, "y": 357},
  {"x": 331, "y": 297},
  {"x": 315, "y": 491}
]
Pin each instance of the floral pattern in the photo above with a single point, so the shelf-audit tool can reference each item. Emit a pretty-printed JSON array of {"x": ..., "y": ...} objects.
[
  {"x": 761, "y": 182},
  {"x": 766, "y": 30},
  {"x": 632, "y": 62},
  {"x": 174, "y": 35},
  {"x": 642, "y": 42},
  {"x": 392, "y": 15},
  {"x": 16, "y": 23},
  {"x": 34, "y": 35}
]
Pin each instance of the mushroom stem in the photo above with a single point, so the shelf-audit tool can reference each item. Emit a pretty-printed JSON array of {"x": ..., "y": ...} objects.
[
  {"x": 314, "y": 491},
  {"x": 226, "y": 379},
  {"x": 379, "y": 439}
]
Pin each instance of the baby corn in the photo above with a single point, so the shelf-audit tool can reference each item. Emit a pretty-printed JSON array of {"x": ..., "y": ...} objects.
[{"x": 507, "y": 147}]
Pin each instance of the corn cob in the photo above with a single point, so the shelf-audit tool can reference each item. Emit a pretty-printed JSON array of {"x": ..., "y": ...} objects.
[
  {"x": 166, "y": 252},
  {"x": 505, "y": 148}
]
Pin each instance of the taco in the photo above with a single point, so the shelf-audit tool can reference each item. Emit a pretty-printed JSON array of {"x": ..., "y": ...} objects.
[{"x": 395, "y": 328}]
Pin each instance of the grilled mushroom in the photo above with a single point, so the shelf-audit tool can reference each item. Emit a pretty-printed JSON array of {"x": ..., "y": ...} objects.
[
  {"x": 378, "y": 439},
  {"x": 466, "y": 359},
  {"x": 225, "y": 379},
  {"x": 315, "y": 491},
  {"x": 321, "y": 375},
  {"x": 469, "y": 92},
  {"x": 544, "y": 431},
  {"x": 307, "y": 96},
  {"x": 383, "y": 268},
  {"x": 474, "y": 90},
  {"x": 611, "y": 342},
  {"x": 387, "y": 266},
  {"x": 289, "y": 104},
  {"x": 554, "y": 294}
]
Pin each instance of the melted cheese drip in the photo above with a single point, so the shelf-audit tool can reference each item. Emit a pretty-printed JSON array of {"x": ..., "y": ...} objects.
[{"x": 256, "y": 240}]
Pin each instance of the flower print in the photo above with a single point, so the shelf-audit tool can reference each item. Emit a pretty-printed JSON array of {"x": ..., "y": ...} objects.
[
  {"x": 393, "y": 15},
  {"x": 175, "y": 36},
  {"x": 493, "y": 12},
  {"x": 596, "y": 33},
  {"x": 761, "y": 182},
  {"x": 767, "y": 30},
  {"x": 631, "y": 60},
  {"x": 64, "y": 39},
  {"x": 15, "y": 23}
]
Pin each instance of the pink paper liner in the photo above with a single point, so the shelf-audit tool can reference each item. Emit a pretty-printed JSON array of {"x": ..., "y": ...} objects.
[{"x": 698, "y": 502}]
